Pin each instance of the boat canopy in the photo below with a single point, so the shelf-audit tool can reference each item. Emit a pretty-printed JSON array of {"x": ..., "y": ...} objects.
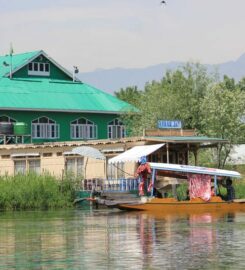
[
  {"x": 135, "y": 153},
  {"x": 193, "y": 169}
]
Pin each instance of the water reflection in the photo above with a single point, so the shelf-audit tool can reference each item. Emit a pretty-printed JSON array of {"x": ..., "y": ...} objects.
[
  {"x": 105, "y": 239},
  {"x": 192, "y": 241}
]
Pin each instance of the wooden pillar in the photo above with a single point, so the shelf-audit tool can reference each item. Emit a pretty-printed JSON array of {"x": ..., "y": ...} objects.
[
  {"x": 105, "y": 168},
  {"x": 196, "y": 155},
  {"x": 153, "y": 181},
  {"x": 218, "y": 155},
  {"x": 167, "y": 147},
  {"x": 85, "y": 168}
]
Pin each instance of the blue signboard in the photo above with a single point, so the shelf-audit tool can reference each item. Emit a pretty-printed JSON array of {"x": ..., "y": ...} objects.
[{"x": 169, "y": 124}]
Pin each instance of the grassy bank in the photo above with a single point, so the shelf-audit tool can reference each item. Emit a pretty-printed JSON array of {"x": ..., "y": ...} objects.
[{"x": 35, "y": 192}]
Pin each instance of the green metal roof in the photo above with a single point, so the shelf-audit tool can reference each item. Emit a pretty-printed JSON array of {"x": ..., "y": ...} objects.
[
  {"x": 18, "y": 60},
  {"x": 49, "y": 95},
  {"x": 185, "y": 139}
]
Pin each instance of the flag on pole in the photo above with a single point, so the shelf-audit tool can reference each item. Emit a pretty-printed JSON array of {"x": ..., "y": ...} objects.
[{"x": 11, "y": 50}]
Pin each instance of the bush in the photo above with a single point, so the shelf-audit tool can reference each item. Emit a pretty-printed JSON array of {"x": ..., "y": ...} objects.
[
  {"x": 182, "y": 192},
  {"x": 34, "y": 191}
]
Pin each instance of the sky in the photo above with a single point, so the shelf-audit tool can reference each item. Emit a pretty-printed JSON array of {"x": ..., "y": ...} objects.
[{"x": 93, "y": 34}]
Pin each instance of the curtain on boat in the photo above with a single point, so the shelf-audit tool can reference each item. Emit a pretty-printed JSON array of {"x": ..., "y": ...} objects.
[{"x": 199, "y": 186}]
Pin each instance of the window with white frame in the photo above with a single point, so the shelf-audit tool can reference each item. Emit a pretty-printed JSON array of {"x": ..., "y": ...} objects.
[
  {"x": 39, "y": 69},
  {"x": 23, "y": 166},
  {"x": 5, "y": 118},
  {"x": 45, "y": 128},
  {"x": 116, "y": 129},
  {"x": 19, "y": 166},
  {"x": 83, "y": 129},
  {"x": 34, "y": 166},
  {"x": 75, "y": 165}
]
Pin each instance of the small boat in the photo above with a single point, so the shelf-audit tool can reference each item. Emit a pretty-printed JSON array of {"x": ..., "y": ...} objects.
[{"x": 172, "y": 205}]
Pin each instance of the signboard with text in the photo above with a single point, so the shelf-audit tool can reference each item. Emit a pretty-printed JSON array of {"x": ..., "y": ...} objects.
[{"x": 169, "y": 124}]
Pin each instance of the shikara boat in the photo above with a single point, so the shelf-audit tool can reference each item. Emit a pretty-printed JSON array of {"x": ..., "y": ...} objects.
[{"x": 172, "y": 205}]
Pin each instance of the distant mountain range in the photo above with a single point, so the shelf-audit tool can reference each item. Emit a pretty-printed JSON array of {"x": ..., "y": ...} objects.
[{"x": 111, "y": 80}]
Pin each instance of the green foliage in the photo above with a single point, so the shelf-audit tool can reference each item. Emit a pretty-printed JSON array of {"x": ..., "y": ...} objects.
[
  {"x": 229, "y": 83},
  {"x": 241, "y": 84},
  {"x": 237, "y": 167},
  {"x": 207, "y": 157},
  {"x": 133, "y": 96},
  {"x": 182, "y": 192},
  {"x": 222, "y": 110},
  {"x": 239, "y": 187},
  {"x": 35, "y": 192},
  {"x": 130, "y": 95},
  {"x": 177, "y": 96}
]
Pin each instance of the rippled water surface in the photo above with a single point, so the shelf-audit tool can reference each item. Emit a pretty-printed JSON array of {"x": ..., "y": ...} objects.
[{"x": 106, "y": 239}]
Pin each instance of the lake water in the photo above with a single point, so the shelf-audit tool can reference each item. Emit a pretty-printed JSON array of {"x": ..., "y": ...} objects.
[{"x": 109, "y": 239}]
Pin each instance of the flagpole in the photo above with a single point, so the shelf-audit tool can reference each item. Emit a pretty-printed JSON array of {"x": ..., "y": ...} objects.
[
  {"x": 11, "y": 60},
  {"x": 10, "y": 74}
]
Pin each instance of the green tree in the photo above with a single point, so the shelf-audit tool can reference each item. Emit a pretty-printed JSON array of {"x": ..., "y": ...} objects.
[
  {"x": 222, "y": 110},
  {"x": 229, "y": 83},
  {"x": 131, "y": 95},
  {"x": 241, "y": 84},
  {"x": 177, "y": 96},
  {"x": 191, "y": 94}
]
